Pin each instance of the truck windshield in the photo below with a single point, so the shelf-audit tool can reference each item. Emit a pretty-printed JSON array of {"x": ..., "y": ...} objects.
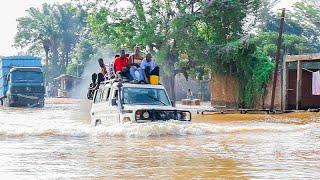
[
  {"x": 25, "y": 76},
  {"x": 145, "y": 96}
]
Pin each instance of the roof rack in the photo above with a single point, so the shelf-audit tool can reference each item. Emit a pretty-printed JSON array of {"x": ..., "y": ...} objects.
[
  {"x": 113, "y": 80},
  {"x": 118, "y": 79}
]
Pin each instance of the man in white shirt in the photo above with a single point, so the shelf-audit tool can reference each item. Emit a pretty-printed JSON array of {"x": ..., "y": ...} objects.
[{"x": 149, "y": 67}]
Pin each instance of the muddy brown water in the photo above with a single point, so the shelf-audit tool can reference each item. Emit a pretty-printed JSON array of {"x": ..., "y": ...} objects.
[{"x": 58, "y": 142}]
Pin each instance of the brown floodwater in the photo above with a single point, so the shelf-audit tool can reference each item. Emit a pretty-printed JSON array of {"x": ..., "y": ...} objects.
[{"x": 58, "y": 142}]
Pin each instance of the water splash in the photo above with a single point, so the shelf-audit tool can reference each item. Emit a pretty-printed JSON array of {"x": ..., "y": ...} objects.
[{"x": 156, "y": 129}]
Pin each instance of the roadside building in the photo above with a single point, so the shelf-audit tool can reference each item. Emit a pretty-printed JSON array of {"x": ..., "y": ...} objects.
[
  {"x": 301, "y": 82},
  {"x": 67, "y": 85},
  {"x": 288, "y": 95}
]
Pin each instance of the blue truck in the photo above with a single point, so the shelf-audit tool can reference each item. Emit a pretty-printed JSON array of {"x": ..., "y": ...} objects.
[{"x": 21, "y": 81}]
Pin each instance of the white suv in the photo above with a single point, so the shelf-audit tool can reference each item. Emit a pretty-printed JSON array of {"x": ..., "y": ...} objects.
[{"x": 117, "y": 102}]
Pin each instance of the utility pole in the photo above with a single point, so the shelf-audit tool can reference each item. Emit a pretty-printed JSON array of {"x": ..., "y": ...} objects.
[{"x": 275, "y": 74}]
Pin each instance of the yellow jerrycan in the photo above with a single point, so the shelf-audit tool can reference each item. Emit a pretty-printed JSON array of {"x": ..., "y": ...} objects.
[{"x": 154, "y": 79}]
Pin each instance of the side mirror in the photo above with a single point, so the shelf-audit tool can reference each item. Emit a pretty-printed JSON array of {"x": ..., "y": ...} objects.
[{"x": 114, "y": 102}]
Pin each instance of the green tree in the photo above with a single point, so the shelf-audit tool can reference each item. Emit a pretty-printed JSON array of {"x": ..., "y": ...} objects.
[
  {"x": 38, "y": 31},
  {"x": 307, "y": 15},
  {"x": 53, "y": 30},
  {"x": 71, "y": 22}
]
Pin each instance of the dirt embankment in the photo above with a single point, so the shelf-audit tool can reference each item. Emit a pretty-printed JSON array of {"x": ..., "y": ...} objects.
[
  {"x": 62, "y": 101},
  {"x": 299, "y": 117}
]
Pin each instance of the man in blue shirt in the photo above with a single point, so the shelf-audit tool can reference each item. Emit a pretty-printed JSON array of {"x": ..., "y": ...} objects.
[{"x": 149, "y": 66}]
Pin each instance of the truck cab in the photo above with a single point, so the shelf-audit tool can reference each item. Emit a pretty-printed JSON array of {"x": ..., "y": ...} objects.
[
  {"x": 21, "y": 81},
  {"x": 116, "y": 102},
  {"x": 25, "y": 87}
]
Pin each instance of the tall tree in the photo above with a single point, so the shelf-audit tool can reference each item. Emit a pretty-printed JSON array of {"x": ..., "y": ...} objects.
[
  {"x": 52, "y": 29},
  {"x": 307, "y": 15}
]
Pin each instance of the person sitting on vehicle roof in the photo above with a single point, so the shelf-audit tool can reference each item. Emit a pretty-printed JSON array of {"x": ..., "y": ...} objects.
[
  {"x": 149, "y": 66},
  {"x": 111, "y": 70},
  {"x": 121, "y": 64},
  {"x": 134, "y": 62}
]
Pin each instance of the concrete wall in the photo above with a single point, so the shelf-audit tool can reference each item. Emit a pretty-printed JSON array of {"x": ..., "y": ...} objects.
[
  {"x": 277, "y": 99},
  {"x": 224, "y": 90},
  {"x": 198, "y": 88}
]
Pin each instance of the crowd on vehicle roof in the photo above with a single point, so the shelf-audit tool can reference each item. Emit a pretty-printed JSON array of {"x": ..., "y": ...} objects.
[{"x": 135, "y": 68}]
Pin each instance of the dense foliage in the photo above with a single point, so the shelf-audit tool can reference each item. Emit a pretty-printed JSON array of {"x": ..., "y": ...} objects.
[
  {"x": 196, "y": 38},
  {"x": 55, "y": 31}
]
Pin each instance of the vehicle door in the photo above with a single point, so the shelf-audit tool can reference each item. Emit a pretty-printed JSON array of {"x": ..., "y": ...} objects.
[
  {"x": 114, "y": 113},
  {"x": 106, "y": 107},
  {"x": 95, "y": 115}
]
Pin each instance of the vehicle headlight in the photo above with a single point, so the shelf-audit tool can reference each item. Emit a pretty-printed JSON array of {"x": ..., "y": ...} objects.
[
  {"x": 126, "y": 119},
  {"x": 138, "y": 114},
  {"x": 184, "y": 116},
  {"x": 146, "y": 115}
]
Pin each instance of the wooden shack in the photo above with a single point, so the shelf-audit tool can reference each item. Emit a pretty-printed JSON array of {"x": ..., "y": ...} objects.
[
  {"x": 67, "y": 84},
  {"x": 297, "y": 81}
]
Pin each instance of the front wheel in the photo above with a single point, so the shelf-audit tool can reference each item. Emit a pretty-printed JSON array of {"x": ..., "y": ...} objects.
[{"x": 7, "y": 102}]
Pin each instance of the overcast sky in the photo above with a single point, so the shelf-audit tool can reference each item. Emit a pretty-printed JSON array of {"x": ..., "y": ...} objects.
[{"x": 10, "y": 10}]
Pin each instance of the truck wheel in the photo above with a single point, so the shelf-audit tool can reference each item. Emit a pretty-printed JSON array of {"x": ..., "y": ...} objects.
[
  {"x": 7, "y": 103},
  {"x": 41, "y": 105}
]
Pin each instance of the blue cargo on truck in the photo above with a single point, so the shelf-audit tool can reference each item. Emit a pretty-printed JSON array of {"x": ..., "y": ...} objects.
[{"x": 11, "y": 62}]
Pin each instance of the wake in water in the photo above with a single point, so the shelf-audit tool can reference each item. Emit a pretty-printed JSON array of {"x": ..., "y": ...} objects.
[{"x": 171, "y": 128}]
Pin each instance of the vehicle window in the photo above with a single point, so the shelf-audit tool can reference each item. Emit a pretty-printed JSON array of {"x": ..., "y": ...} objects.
[
  {"x": 115, "y": 94},
  {"x": 146, "y": 96},
  {"x": 19, "y": 76},
  {"x": 97, "y": 98},
  {"x": 105, "y": 96}
]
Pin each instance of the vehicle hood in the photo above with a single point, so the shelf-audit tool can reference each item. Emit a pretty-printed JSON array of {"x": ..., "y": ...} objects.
[{"x": 156, "y": 107}]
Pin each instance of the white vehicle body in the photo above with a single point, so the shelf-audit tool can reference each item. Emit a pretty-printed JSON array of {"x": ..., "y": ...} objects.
[{"x": 132, "y": 103}]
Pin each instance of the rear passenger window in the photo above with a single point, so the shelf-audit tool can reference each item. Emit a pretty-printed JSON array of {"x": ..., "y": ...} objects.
[
  {"x": 106, "y": 94},
  {"x": 115, "y": 94},
  {"x": 97, "y": 98}
]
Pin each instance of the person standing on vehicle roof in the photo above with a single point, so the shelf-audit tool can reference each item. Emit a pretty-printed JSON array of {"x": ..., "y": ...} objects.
[
  {"x": 121, "y": 64},
  {"x": 134, "y": 62},
  {"x": 104, "y": 68}
]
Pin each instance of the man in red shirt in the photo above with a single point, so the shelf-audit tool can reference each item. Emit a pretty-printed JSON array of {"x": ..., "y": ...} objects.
[{"x": 121, "y": 64}]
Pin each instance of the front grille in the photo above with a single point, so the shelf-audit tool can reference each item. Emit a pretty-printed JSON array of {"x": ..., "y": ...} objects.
[
  {"x": 163, "y": 115},
  {"x": 27, "y": 89}
]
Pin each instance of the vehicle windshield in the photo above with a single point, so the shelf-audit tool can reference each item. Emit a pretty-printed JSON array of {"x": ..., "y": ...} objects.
[
  {"x": 25, "y": 76},
  {"x": 145, "y": 96}
]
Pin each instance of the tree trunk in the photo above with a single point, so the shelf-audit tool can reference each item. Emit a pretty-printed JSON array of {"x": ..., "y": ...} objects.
[
  {"x": 55, "y": 59},
  {"x": 46, "y": 50},
  {"x": 169, "y": 83},
  {"x": 67, "y": 59}
]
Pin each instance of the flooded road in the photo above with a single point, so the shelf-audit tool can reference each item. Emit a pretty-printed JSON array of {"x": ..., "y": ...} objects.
[{"x": 58, "y": 142}]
